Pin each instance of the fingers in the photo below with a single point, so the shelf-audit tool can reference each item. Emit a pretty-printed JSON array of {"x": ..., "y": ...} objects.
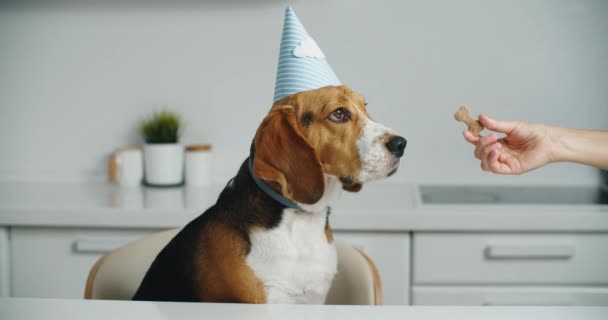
[
  {"x": 471, "y": 138},
  {"x": 501, "y": 163},
  {"x": 487, "y": 153},
  {"x": 485, "y": 142},
  {"x": 512, "y": 163},
  {"x": 494, "y": 164},
  {"x": 497, "y": 125},
  {"x": 490, "y": 151},
  {"x": 493, "y": 158}
]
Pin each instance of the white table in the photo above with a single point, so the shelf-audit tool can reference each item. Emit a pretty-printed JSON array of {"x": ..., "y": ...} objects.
[{"x": 32, "y": 309}]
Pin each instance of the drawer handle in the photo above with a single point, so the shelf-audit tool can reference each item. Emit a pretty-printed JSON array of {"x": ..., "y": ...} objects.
[
  {"x": 565, "y": 301},
  {"x": 98, "y": 245},
  {"x": 556, "y": 251}
]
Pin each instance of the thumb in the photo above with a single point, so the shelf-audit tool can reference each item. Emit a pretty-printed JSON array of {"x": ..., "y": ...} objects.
[{"x": 497, "y": 125}]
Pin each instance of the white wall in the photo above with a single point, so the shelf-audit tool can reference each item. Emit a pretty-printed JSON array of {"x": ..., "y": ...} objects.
[{"x": 75, "y": 78}]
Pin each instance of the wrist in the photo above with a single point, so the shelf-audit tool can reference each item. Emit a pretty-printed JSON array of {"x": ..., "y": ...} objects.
[
  {"x": 581, "y": 146},
  {"x": 559, "y": 144}
]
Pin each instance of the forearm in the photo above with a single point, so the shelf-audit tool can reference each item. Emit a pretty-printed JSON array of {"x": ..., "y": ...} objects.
[{"x": 582, "y": 146}]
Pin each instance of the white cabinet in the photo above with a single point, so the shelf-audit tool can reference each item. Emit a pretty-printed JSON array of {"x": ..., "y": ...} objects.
[
  {"x": 509, "y": 296},
  {"x": 448, "y": 268},
  {"x": 480, "y": 258},
  {"x": 391, "y": 254},
  {"x": 510, "y": 268},
  {"x": 55, "y": 262}
]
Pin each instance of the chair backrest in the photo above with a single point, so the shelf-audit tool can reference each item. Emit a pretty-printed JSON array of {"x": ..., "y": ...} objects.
[{"x": 117, "y": 274}]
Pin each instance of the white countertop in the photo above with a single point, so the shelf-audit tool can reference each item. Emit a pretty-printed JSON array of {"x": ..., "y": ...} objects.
[
  {"x": 12, "y": 309},
  {"x": 378, "y": 207}
]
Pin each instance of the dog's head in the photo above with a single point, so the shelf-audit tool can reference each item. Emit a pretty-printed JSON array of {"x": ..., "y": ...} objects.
[{"x": 321, "y": 132}]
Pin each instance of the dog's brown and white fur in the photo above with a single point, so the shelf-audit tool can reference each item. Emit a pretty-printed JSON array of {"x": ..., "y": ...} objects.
[{"x": 249, "y": 247}]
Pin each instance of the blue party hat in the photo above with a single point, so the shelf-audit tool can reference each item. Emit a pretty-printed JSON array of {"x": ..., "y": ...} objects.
[{"x": 302, "y": 64}]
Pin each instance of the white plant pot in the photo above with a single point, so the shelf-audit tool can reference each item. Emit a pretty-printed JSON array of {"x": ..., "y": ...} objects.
[{"x": 164, "y": 164}]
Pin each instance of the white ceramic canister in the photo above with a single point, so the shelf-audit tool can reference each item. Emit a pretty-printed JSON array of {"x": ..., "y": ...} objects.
[
  {"x": 198, "y": 165},
  {"x": 125, "y": 166}
]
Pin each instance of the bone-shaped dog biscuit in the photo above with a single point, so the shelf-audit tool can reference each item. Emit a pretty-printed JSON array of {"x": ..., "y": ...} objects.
[{"x": 464, "y": 115}]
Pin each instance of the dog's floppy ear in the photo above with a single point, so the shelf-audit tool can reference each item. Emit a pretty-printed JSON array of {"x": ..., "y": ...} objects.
[{"x": 285, "y": 160}]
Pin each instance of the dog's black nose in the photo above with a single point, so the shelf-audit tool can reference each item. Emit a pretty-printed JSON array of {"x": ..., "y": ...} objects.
[{"x": 396, "y": 145}]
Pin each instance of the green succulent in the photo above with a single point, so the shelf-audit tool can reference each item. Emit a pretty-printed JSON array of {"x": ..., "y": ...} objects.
[{"x": 161, "y": 127}]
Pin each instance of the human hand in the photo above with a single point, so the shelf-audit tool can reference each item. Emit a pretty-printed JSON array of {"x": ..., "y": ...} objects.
[{"x": 525, "y": 147}]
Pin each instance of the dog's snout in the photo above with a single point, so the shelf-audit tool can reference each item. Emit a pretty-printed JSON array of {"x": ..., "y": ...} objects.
[{"x": 396, "y": 145}]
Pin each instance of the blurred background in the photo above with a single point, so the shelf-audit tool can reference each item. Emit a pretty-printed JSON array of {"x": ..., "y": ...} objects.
[{"x": 77, "y": 77}]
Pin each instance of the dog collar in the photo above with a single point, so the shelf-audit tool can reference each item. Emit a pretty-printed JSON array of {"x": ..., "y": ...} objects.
[{"x": 271, "y": 193}]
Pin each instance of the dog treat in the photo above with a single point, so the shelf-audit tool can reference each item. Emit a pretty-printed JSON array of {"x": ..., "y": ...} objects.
[{"x": 464, "y": 115}]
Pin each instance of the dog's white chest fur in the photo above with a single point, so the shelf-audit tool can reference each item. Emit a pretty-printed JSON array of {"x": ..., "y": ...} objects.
[{"x": 294, "y": 261}]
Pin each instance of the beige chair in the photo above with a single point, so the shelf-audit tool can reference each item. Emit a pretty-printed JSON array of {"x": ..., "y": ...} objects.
[{"x": 116, "y": 275}]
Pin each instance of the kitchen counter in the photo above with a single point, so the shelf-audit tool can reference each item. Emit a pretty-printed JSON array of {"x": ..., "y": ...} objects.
[
  {"x": 380, "y": 206},
  {"x": 411, "y": 232},
  {"x": 103, "y": 309}
]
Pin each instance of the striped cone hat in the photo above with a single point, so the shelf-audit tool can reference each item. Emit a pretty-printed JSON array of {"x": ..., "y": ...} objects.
[{"x": 302, "y": 64}]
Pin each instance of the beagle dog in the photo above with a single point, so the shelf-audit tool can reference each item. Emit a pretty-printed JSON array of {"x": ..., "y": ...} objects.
[{"x": 267, "y": 239}]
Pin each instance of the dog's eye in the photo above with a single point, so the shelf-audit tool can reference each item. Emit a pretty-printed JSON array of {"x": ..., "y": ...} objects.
[{"x": 339, "y": 115}]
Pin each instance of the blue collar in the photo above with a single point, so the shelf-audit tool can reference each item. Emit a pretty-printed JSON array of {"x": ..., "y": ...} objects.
[{"x": 271, "y": 193}]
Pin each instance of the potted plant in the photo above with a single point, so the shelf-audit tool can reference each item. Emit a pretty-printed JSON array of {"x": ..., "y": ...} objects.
[{"x": 163, "y": 155}]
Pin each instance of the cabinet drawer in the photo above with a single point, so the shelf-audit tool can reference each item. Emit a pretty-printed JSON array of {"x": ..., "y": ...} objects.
[
  {"x": 509, "y": 296},
  {"x": 391, "y": 255},
  {"x": 55, "y": 263},
  {"x": 449, "y": 258}
]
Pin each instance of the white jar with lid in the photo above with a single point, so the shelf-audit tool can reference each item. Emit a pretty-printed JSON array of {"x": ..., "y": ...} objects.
[
  {"x": 125, "y": 166},
  {"x": 198, "y": 165}
]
